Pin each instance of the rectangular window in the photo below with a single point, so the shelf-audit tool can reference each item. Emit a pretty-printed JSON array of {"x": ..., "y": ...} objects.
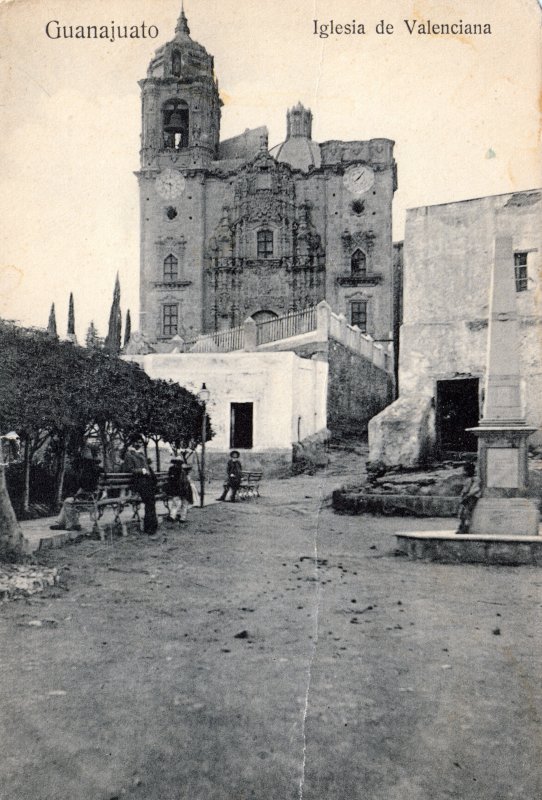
[
  {"x": 520, "y": 270},
  {"x": 241, "y": 434},
  {"x": 358, "y": 314},
  {"x": 265, "y": 244},
  {"x": 170, "y": 319},
  {"x": 171, "y": 268}
]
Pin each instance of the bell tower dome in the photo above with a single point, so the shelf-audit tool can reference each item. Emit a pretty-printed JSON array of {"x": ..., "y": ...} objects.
[{"x": 180, "y": 104}]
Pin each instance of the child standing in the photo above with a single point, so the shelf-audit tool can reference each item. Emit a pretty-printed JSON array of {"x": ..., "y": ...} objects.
[{"x": 234, "y": 475}]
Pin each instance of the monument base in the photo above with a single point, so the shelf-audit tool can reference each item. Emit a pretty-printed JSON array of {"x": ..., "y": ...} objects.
[
  {"x": 447, "y": 547},
  {"x": 509, "y": 516}
]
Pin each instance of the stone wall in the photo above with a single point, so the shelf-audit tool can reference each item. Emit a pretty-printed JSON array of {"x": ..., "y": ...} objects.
[
  {"x": 448, "y": 253},
  {"x": 357, "y": 390}
]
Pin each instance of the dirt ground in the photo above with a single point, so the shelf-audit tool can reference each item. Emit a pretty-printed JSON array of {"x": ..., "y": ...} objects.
[{"x": 272, "y": 650}]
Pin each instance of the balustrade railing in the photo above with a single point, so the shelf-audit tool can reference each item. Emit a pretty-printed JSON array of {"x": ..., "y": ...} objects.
[
  {"x": 323, "y": 322},
  {"x": 220, "y": 341},
  {"x": 293, "y": 324}
]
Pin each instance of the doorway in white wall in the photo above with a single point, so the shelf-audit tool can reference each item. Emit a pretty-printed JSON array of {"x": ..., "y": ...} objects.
[{"x": 241, "y": 425}]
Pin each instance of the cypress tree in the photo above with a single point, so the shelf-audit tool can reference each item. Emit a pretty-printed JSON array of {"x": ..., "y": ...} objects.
[
  {"x": 51, "y": 325},
  {"x": 70, "y": 336},
  {"x": 127, "y": 328},
  {"x": 113, "y": 338},
  {"x": 92, "y": 340},
  {"x": 71, "y": 317}
]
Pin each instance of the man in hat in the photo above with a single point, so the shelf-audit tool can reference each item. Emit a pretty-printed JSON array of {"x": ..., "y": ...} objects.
[
  {"x": 178, "y": 489},
  {"x": 234, "y": 472},
  {"x": 142, "y": 482}
]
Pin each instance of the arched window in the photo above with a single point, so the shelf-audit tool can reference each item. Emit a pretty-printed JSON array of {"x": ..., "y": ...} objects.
[
  {"x": 265, "y": 244},
  {"x": 171, "y": 268},
  {"x": 264, "y": 316},
  {"x": 358, "y": 264},
  {"x": 176, "y": 119},
  {"x": 176, "y": 64}
]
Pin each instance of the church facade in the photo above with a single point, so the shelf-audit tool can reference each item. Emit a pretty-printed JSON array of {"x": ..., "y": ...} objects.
[{"x": 231, "y": 229}]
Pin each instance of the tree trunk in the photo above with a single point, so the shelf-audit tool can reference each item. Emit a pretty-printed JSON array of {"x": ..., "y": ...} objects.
[
  {"x": 60, "y": 476},
  {"x": 26, "y": 476},
  {"x": 11, "y": 538},
  {"x": 157, "y": 450},
  {"x": 105, "y": 450}
]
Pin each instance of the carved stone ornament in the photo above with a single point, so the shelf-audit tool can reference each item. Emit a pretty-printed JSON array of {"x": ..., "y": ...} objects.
[{"x": 363, "y": 239}]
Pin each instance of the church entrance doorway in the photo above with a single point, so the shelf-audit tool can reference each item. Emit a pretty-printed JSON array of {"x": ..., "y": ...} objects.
[
  {"x": 457, "y": 409},
  {"x": 241, "y": 434}
]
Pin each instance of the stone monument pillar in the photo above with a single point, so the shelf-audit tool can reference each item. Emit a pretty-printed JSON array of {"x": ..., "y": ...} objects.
[{"x": 502, "y": 433}]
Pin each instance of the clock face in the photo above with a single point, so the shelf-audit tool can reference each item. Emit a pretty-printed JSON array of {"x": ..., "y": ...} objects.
[
  {"x": 359, "y": 179},
  {"x": 170, "y": 184}
]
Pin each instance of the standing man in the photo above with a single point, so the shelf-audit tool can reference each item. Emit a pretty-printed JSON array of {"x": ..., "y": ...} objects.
[
  {"x": 234, "y": 473},
  {"x": 470, "y": 495},
  {"x": 143, "y": 483}
]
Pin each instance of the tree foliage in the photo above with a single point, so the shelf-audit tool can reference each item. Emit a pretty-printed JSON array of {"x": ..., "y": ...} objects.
[
  {"x": 127, "y": 328},
  {"x": 51, "y": 325},
  {"x": 71, "y": 316},
  {"x": 113, "y": 338},
  {"x": 93, "y": 340},
  {"x": 56, "y": 394}
]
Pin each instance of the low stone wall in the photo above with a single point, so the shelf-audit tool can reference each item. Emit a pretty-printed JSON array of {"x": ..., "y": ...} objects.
[
  {"x": 449, "y": 548},
  {"x": 395, "y": 505},
  {"x": 357, "y": 390}
]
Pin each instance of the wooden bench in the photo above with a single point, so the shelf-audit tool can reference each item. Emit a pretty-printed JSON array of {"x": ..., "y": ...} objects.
[
  {"x": 250, "y": 485},
  {"x": 114, "y": 491}
]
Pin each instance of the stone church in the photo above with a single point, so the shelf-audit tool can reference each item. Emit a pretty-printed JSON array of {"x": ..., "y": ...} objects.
[{"x": 231, "y": 229}]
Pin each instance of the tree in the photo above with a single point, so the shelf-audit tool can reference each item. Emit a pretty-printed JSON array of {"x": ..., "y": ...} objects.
[
  {"x": 110, "y": 391},
  {"x": 11, "y": 539},
  {"x": 127, "y": 328},
  {"x": 71, "y": 317},
  {"x": 169, "y": 413},
  {"x": 92, "y": 340},
  {"x": 55, "y": 395},
  {"x": 51, "y": 325},
  {"x": 113, "y": 338},
  {"x": 10, "y": 531},
  {"x": 31, "y": 361}
]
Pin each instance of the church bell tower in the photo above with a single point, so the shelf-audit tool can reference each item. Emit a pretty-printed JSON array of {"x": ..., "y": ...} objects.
[{"x": 179, "y": 141}]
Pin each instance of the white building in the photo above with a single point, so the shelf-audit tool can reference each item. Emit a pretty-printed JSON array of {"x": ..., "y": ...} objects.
[
  {"x": 448, "y": 256},
  {"x": 261, "y": 403}
]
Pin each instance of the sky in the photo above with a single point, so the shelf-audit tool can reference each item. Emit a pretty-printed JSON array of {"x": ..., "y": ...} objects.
[{"x": 462, "y": 109}]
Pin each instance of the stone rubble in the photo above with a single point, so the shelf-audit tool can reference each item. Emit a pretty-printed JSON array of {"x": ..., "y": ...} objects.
[{"x": 23, "y": 580}]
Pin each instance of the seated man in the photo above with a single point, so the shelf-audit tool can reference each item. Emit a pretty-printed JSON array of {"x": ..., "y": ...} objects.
[{"x": 87, "y": 479}]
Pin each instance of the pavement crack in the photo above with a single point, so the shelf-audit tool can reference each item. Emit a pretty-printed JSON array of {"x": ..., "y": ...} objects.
[{"x": 318, "y": 590}]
